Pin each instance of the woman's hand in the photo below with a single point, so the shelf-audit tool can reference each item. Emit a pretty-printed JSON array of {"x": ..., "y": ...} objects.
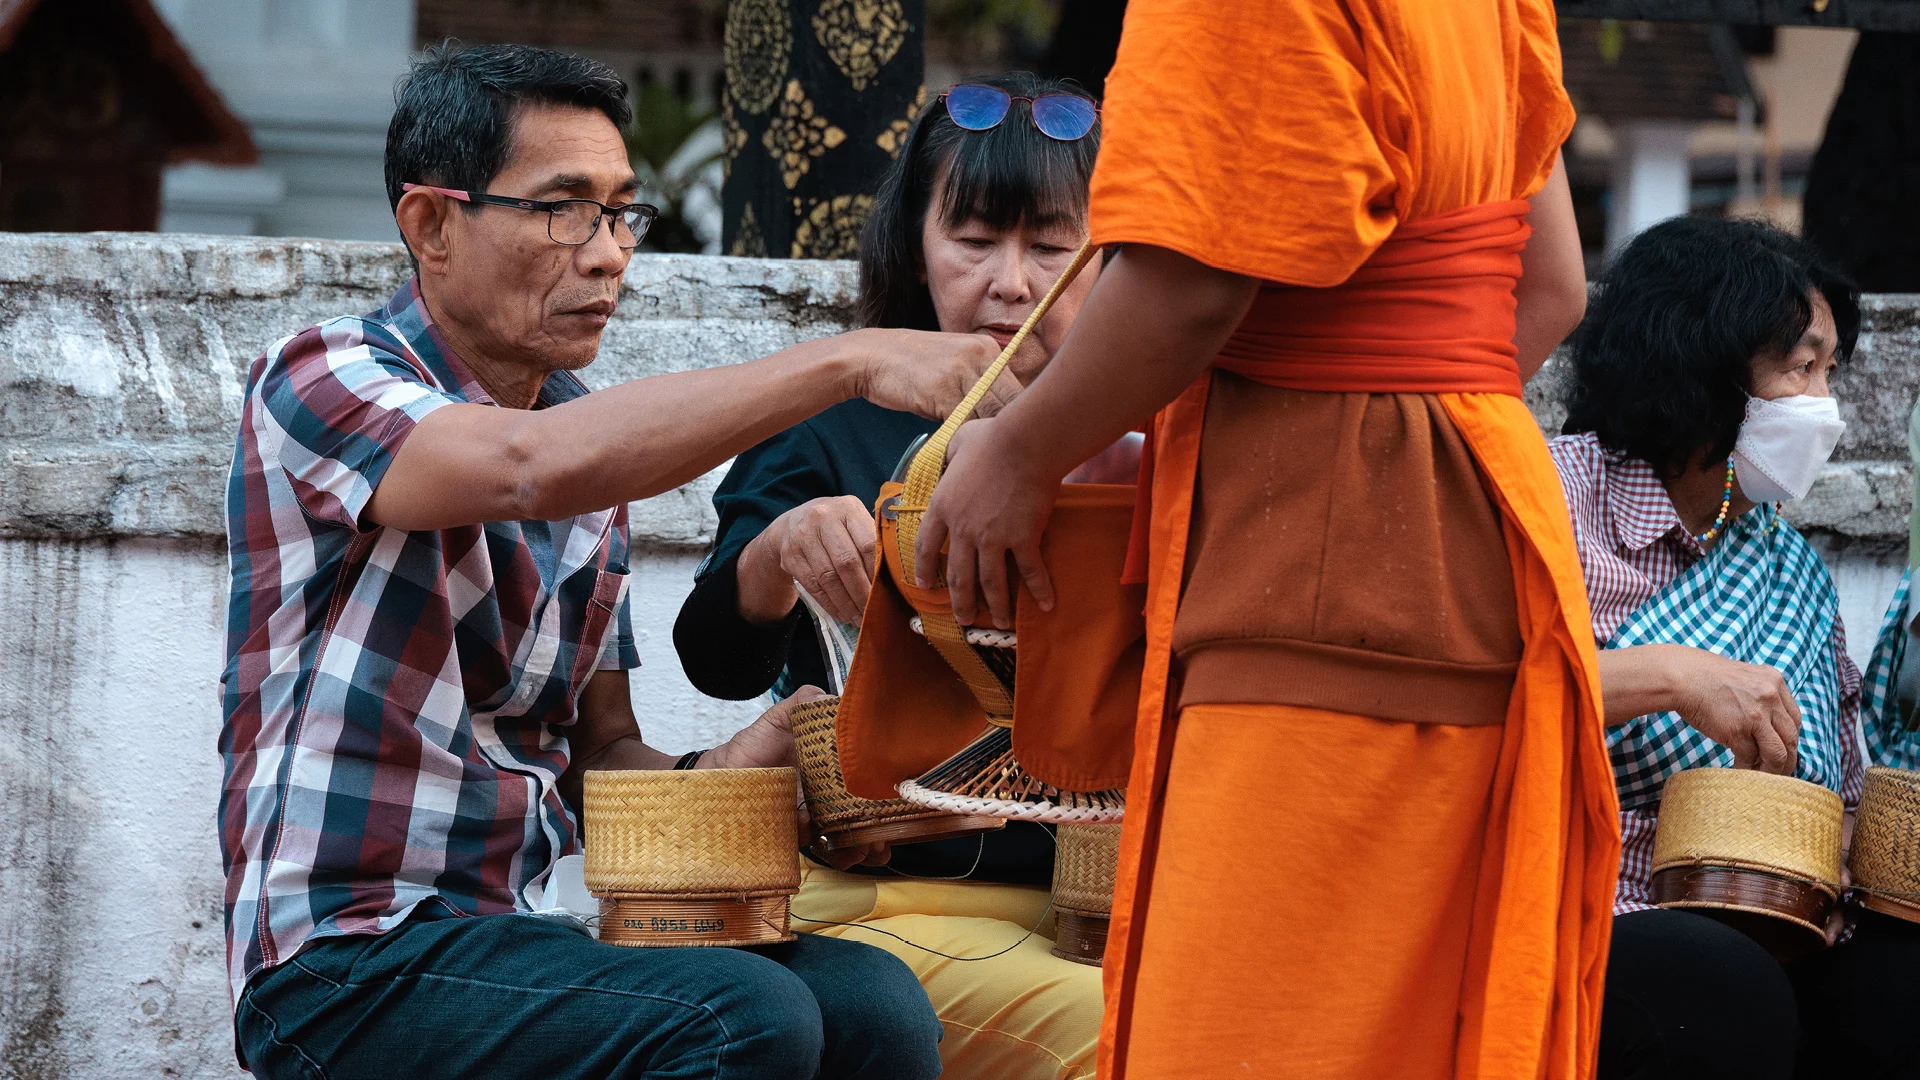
[
  {"x": 991, "y": 505},
  {"x": 767, "y": 743},
  {"x": 827, "y": 545},
  {"x": 1744, "y": 707}
]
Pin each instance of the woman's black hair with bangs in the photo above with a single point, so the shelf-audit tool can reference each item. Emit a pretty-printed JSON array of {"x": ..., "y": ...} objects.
[
  {"x": 1002, "y": 176},
  {"x": 1663, "y": 361}
]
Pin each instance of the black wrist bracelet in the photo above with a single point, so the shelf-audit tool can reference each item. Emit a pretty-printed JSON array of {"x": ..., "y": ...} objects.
[{"x": 688, "y": 760}]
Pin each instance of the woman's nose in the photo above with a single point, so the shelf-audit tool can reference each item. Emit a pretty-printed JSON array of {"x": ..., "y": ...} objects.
[{"x": 1011, "y": 283}]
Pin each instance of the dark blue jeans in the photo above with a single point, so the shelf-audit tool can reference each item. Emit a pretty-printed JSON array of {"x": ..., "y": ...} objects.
[{"x": 519, "y": 996}]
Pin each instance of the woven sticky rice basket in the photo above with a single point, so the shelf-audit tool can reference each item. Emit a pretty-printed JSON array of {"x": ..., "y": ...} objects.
[
  {"x": 1886, "y": 843},
  {"x": 696, "y": 857},
  {"x": 1754, "y": 849},
  {"x": 1085, "y": 865},
  {"x": 846, "y": 820}
]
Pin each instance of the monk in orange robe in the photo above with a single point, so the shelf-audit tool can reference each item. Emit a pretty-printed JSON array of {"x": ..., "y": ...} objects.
[{"x": 1370, "y": 829}]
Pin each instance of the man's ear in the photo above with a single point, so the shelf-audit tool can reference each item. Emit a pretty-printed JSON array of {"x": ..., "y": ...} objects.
[{"x": 423, "y": 219}]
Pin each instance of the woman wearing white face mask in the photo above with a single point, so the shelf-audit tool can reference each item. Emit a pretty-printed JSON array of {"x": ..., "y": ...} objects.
[{"x": 1701, "y": 400}]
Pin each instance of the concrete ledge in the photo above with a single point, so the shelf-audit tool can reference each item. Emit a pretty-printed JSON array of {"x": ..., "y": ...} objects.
[{"x": 123, "y": 359}]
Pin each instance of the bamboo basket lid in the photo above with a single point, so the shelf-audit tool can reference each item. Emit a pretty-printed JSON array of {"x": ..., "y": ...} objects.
[
  {"x": 1886, "y": 842},
  {"x": 846, "y": 819},
  {"x": 697, "y": 832},
  {"x": 1085, "y": 864},
  {"x": 1749, "y": 820}
]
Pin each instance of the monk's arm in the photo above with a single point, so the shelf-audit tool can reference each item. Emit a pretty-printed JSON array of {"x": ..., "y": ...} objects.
[
  {"x": 466, "y": 463},
  {"x": 1152, "y": 323},
  {"x": 1744, "y": 707},
  {"x": 1552, "y": 292}
]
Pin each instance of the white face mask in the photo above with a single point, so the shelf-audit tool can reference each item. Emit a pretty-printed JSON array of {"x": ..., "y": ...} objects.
[{"x": 1782, "y": 445}]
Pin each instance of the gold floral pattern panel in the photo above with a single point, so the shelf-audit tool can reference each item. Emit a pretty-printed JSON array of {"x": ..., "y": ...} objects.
[
  {"x": 796, "y": 136},
  {"x": 820, "y": 94},
  {"x": 860, "y": 36},
  {"x": 830, "y": 228},
  {"x": 893, "y": 137}
]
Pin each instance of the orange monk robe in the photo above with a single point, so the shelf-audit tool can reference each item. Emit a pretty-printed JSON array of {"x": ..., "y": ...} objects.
[{"x": 1307, "y": 893}]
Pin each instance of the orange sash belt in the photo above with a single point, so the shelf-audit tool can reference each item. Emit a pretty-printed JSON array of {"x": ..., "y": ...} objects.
[{"x": 1431, "y": 312}]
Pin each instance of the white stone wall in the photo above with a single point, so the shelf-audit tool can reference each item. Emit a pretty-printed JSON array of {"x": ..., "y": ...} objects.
[{"x": 121, "y": 362}]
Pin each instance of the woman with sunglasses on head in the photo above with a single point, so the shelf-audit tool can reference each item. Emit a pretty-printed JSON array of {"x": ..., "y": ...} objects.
[{"x": 981, "y": 213}]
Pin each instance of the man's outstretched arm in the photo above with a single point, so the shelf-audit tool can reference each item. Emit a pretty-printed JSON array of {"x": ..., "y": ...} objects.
[{"x": 465, "y": 463}]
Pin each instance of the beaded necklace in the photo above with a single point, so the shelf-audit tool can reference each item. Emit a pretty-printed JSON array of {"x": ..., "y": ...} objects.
[{"x": 1726, "y": 504}]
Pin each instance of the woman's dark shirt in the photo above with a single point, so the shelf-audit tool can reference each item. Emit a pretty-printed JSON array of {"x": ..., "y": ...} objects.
[{"x": 850, "y": 449}]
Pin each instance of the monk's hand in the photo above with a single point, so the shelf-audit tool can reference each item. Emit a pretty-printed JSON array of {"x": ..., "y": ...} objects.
[
  {"x": 1746, "y": 708},
  {"x": 927, "y": 373},
  {"x": 989, "y": 510},
  {"x": 827, "y": 546}
]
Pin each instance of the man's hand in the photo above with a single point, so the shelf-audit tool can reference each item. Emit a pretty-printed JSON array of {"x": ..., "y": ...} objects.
[
  {"x": 1744, "y": 707},
  {"x": 990, "y": 507},
  {"x": 768, "y": 742},
  {"x": 927, "y": 373},
  {"x": 827, "y": 545}
]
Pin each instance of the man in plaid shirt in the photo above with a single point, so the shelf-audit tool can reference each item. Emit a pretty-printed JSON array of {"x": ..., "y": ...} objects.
[{"x": 428, "y": 631}]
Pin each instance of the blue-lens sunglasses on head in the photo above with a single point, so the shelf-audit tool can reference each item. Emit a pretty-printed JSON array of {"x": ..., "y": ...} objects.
[{"x": 1058, "y": 115}]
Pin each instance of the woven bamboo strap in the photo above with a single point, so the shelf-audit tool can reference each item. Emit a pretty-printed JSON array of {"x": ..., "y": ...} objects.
[{"x": 942, "y": 632}]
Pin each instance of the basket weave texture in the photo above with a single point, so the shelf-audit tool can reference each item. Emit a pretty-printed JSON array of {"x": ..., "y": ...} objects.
[
  {"x": 833, "y": 807},
  {"x": 1886, "y": 840},
  {"x": 698, "y": 832},
  {"x": 1085, "y": 864},
  {"x": 1749, "y": 820}
]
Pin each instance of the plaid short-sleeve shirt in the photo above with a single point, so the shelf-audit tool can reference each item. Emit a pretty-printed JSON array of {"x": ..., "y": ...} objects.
[
  {"x": 396, "y": 703},
  {"x": 1632, "y": 546}
]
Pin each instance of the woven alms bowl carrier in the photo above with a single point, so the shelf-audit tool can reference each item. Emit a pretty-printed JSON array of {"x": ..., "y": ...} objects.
[
  {"x": 846, "y": 820},
  {"x": 985, "y": 777},
  {"x": 1885, "y": 857},
  {"x": 1085, "y": 865},
  {"x": 700, "y": 857},
  {"x": 1757, "y": 851}
]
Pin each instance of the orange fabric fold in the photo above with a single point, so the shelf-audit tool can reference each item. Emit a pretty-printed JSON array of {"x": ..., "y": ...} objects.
[
  {"x": 1431, "y": 312},
  {"x": 1542, "y": 904},
  {"x": 1077, "y": 682},
  {"x": 1392, "y": 812}
]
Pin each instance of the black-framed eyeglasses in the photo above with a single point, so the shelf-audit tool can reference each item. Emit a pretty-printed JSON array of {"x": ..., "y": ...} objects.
[{"x": 569, "y": 221}]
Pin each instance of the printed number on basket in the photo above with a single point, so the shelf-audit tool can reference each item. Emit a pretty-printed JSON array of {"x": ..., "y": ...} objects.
[{"x": 658, "y": 925}]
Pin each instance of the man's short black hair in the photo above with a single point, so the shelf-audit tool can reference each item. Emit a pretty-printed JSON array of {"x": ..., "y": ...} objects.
[
  {"x": 453, "y": 110},
  {"x": 1663, "y": 362}
]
